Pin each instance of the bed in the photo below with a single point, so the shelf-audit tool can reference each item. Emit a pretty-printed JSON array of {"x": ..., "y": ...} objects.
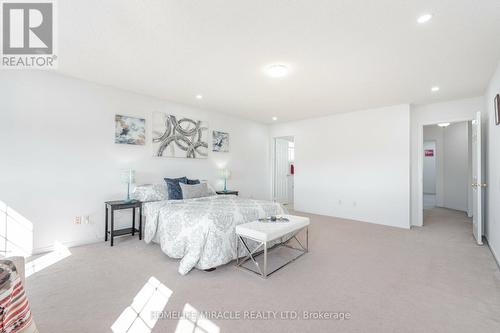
[{"x": 201, "y": 231}]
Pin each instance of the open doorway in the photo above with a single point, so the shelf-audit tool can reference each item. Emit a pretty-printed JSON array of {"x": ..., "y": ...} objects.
[
  {"x": 458, "y": 147},
  {"x": 447, "y": 172},
  {"x": 284, "y": 171},
  {"x": 429, "y": 173}
]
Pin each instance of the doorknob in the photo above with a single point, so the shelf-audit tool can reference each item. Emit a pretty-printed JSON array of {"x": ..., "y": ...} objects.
[
  {"x": 482, "y": 185},
  {"x": 474, "y": 185}
]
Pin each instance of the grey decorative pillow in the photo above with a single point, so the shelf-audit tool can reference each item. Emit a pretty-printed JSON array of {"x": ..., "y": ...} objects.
[
  {"x": 194, "y": 191},
  {"x": 150, "y": 192}
]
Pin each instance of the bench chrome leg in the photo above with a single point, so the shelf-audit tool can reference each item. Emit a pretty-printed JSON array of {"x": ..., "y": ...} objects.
[
  {"x": 249, "y": 256},
  {"x": 264, "y": 274},
  {"x": 263, "y": 271},
  {"x": 307, "y": 239}
]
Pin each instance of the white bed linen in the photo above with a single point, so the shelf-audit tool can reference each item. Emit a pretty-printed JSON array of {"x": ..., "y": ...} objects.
[{"x": 201, "y": 231}]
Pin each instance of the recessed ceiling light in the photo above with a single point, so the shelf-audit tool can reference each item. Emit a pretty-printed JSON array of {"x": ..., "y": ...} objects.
[
  {"x": 199, "y": 96},
  {"x": 424, "y": 18},
  {"x": 277, "y": 70},
  {"x": 444, "y": 124},
  {"x": 435, "y": 89},
  {"x": 274, "y": 118}
]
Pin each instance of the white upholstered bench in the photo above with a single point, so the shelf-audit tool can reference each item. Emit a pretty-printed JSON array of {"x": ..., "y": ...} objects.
[{"x": 265, "y": 233}]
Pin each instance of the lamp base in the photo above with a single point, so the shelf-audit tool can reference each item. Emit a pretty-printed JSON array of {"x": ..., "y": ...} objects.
[{"x": 128, "y": 199}]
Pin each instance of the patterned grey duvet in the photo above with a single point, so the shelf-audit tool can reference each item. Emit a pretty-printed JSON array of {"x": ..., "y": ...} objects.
[{"x": 201, "y": 232}]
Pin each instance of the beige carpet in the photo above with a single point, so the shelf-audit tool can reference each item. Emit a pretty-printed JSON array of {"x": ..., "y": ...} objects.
[{"x": 430, "y": 279}]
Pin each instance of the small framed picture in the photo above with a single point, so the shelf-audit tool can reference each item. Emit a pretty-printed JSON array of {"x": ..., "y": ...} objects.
[
  {"x": 497, "y": 109},
  {"x": 220, "y": 141},
  {"x": 130, "y": 130}
]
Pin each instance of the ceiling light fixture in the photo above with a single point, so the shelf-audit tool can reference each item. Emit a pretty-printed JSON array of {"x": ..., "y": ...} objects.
[
  {"x": 199, "y": 96},
  {"x": 424, "y": 18},
  {"x": 277, "y": 70},
  {"x": 274, "y": 118},
  {"x": 444, "y": 124},
  {"x": 435, "y": 89}
]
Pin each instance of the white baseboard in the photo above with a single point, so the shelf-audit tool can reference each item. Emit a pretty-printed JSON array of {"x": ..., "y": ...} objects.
[
  {"x": 68, "y": 244},
  {"x": 495, "y": 256}
]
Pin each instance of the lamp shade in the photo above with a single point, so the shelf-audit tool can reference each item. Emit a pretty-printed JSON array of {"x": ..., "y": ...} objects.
[
  {"x": 127, "y": 176},
  {"x": 225, "y": 173}
]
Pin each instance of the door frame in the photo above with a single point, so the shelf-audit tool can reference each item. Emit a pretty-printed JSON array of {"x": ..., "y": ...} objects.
[{"x": 419, "y": 199}]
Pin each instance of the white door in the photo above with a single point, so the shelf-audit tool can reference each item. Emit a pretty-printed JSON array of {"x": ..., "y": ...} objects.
[
  {"x": 281, "y": 170},
  {"x": 477, "y": 181}
]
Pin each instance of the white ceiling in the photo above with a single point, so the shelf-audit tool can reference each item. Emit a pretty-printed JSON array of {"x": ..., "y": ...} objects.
[{"x": 344, "y": 55}]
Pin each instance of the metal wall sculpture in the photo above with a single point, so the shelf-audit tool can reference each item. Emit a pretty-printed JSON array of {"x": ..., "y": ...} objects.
[{"x": 182, "y": 137}]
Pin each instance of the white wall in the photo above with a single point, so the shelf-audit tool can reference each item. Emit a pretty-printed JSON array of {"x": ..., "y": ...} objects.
[
  {"x": 493, "y": 169},
  {"x": 430, "y": 168},
  {"x": 59, "y": 160},
  {"x": 453, "y": 111},
  {"x": 353, "y": 165},
  {"x": 456, "y": 166}
]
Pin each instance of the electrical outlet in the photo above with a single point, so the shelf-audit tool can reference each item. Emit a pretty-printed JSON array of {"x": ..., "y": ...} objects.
[
  {"x": 78, "y": 220},
  {"x": 86, "y": 219},
  {"x": 354, "y": 203}
]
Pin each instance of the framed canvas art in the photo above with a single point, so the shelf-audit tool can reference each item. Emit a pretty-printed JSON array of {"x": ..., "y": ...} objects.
[
  {"x": 179, "y": 137},
  {"x": 220, "y": 141},
  {"x": 130, "y": 130}
]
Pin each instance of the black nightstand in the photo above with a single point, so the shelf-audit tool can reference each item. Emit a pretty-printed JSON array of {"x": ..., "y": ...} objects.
[
  {"x": 118, "y": 205},
  {"x": 228, "y": 192}
]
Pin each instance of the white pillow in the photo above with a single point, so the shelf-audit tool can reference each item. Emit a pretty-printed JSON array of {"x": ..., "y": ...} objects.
[
  {"x": 150, "y": 192},
  {"x": 194, "y": 191}
]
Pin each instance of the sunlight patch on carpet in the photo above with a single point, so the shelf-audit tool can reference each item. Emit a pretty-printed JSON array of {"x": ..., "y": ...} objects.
[
  {"x": 140, "y": 317},
  {"x": 60, "y": 252},
  {"x": 193, "y": 321}
]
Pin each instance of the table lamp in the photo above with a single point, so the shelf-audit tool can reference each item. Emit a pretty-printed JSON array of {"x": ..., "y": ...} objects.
[
  {"x": 225, "y": 174},
  {"x": 128, "y": 177}
]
